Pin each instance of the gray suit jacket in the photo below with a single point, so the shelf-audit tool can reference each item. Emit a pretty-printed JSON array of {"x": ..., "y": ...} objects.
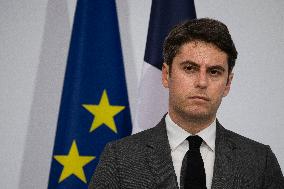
[{"x": 143, "y": 161}]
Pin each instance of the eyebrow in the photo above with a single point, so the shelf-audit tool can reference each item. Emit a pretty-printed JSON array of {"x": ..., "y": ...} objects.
[{"x": 196, "y": 65}]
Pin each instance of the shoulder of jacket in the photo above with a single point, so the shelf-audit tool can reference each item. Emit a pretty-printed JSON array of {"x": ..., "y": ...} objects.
[
  {"x": 134, "y": 141},
  {"x": 245, "y": 142}
]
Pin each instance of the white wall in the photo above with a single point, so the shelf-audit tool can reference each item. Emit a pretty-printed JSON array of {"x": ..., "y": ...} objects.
[{"x": 34, "y": 39}]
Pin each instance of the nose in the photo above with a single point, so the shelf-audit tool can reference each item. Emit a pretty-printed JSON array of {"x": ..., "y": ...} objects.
[{"x": 201, "y": 79}]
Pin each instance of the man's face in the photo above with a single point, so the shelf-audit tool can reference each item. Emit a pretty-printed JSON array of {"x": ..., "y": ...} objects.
[{"x": 198, "y": 81}]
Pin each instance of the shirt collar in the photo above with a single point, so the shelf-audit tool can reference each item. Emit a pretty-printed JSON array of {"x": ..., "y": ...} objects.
[{"x": 177, "y": 135}]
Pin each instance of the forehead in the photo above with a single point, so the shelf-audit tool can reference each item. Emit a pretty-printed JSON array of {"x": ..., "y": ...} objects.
[{"x": 201, "y": 52}]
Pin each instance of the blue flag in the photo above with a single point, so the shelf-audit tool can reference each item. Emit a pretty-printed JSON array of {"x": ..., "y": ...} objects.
[
  {"x": 165, "y": 14},
  {"x": 94, "y": 105}
]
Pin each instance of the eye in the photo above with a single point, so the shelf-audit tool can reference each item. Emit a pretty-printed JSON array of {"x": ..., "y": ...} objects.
[
  {"x": 215, "y": 72},
  {"x": 189, "y": 68}
]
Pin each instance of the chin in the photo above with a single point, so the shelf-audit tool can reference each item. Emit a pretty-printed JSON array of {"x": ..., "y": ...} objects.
[
  {"x": 194, "y": 112},
  {"x": 199, "y": 114}
]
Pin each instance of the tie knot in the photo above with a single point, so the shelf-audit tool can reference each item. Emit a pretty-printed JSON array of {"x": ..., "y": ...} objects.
[{"x": 194, "y": 142}]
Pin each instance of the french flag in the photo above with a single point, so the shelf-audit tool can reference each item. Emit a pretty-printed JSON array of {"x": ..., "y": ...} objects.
[{"x": 152, "y": 102}]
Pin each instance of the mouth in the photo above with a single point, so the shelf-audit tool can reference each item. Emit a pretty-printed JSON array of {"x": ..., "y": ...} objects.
[{"x": 199, "y": 98}]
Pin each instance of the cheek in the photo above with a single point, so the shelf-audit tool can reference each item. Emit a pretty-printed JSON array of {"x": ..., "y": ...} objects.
[
  {"x": 226, "y": 90},
  {"x": 180, "y": 85},
  {"x": 217, "y": 90}
]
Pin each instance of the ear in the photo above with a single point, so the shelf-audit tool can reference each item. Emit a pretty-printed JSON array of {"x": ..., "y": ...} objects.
[
  {"x": 228, "y": 85},
  {"x": 165, "y": 75}
]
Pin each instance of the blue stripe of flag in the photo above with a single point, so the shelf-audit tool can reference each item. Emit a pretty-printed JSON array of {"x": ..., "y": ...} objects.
[{"x": 165, "y": 14}]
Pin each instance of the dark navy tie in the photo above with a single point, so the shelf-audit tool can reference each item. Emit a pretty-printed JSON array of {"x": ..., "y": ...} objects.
[{"x": 193, "y": 172}]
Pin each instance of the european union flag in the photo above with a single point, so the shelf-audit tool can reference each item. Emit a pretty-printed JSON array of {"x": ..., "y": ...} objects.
[{"x": 94, "y": 105}]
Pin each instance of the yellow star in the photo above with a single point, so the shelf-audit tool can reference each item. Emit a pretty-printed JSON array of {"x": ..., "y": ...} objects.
[
  {"x": 104, "y": 113},
  {"x": 73, "y": 163}
]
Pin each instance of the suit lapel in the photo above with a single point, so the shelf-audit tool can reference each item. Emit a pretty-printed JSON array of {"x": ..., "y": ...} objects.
[
  {"x": 158, "y": 155},
  {"x": 225, "y": 157},
  {"x": 159, "y": 158}
]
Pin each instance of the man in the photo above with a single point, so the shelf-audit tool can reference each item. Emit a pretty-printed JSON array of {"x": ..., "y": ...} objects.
[{"x": 189, "y": 148}]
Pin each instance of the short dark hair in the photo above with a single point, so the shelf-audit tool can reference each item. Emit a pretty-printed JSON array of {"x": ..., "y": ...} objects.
[{"x": 204, "y": 29}]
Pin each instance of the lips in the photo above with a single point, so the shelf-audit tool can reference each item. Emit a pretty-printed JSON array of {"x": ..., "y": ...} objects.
[{"x": 199, "y": 98}]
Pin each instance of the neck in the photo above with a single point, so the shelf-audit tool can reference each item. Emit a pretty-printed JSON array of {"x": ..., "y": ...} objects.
[{"x": 192, "y": 125}]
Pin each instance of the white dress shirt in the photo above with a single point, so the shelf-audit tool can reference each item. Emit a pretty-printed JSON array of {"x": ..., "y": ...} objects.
[{"x": 179, "y": 146}]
